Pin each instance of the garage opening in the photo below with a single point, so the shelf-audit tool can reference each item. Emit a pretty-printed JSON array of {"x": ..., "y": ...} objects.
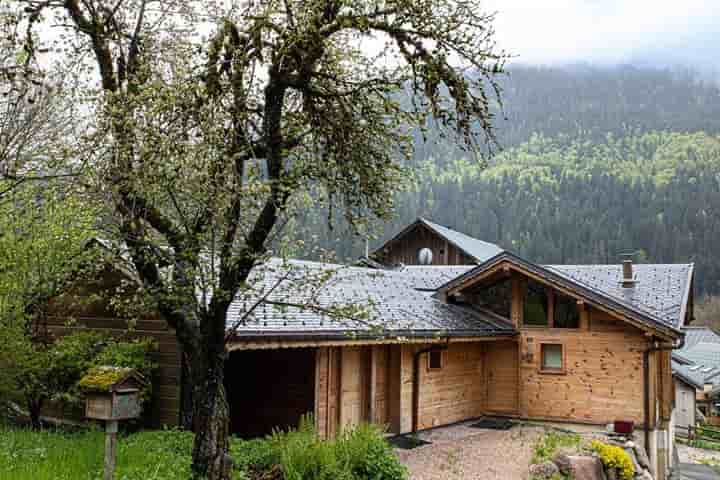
[{"x": 269, "y": 389}]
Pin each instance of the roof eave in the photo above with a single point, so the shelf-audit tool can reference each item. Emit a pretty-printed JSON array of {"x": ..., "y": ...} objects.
[
  {"x": 351, "y": 335},
  {"x": 686, "y": 294},
  {"x": 553, "y": 277}
]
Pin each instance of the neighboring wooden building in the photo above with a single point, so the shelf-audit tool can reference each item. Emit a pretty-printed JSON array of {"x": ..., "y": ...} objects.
[
  {"x": 697, "y": 365},
  {"x": 443, "y": 343},
  {"x": 685, "y": 402},
  {"x": 446, "y": 247},
  {"x": 88, "y": 305}
]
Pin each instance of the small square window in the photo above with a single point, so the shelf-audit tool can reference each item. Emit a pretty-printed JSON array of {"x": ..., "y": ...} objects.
[
  {"x": 435, "y": 360},
  {"x": 552, "y": 357}
]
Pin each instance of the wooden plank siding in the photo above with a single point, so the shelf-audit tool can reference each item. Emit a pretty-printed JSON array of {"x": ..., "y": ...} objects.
[
  {"x": 165, "y": 403},
  {"x": 602, "y": 378},
  {"x": 501, "y": 373},
  {"x": 405, "y": 249},
  {"x": 85, "y": 306},
  {"x": 456, "y": 391}
]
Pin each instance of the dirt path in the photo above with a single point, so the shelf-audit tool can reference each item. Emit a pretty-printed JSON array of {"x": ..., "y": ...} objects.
[{"x": 462, "y": 452}]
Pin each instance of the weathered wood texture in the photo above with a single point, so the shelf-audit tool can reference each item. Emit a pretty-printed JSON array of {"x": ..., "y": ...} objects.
[
  {"x": 405, "y": 249},
  {"x": 456, "y": 391},
  {"x": 86, "y": 306},
  {"x": 501, "y": 374},
  {"x": 602, "y": 378}
]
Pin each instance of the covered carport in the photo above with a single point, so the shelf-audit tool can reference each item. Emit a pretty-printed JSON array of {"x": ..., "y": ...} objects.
[{"x": 269, "y": 389}]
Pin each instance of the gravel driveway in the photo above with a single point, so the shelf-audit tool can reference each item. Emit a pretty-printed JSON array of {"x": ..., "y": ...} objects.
[{"x": 462, "y": 452}]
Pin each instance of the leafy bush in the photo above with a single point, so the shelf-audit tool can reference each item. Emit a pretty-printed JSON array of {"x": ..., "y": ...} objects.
[
  {"x": 34, "y": 372},
  {"x": 614, "y": 457},
  {"x": 370, "y": 455},
  {"x": 358, "y": 453}
]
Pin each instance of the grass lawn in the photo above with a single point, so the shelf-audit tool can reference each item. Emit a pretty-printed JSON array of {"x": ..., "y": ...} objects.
[
  {"x": 54, "y": 455},
  {"x": 358, "y": 454}
]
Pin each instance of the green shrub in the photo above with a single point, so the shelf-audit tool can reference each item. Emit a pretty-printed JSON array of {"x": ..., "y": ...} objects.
[
  {"x": 359, "y": 453},
  {"x": 704, "y": 444},
  {"x": 709, "y": 431},
  {"x": 551, "y": 442},
  {"x": 256, "y": 455},
  {"x": 369, "y": 454},
  {"x": 614, "y": 457}
]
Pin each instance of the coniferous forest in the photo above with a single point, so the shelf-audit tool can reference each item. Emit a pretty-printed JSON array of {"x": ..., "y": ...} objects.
[{"x": 593, "y": 162}]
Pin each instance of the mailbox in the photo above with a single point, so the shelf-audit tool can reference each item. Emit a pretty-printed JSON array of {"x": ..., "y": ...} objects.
[{"x": 112, "y": 393}]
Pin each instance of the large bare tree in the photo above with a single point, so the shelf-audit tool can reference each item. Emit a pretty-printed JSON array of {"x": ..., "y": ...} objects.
[{"x": 211, "y": 120}]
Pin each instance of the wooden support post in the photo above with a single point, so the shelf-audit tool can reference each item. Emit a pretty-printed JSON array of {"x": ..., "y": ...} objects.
[
  {"x": 372, "y": 414},
  {"x": 584, "y": 315},
  {"x": 516, "y": 305},
  {"x": 111, "y": 429}
]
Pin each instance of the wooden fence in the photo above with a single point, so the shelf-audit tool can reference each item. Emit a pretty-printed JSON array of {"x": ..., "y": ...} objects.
[{"x": 699, "y": 432}]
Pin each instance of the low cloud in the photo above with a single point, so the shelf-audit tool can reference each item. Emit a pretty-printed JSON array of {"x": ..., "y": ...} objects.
[{"x": 609, "y": 31}]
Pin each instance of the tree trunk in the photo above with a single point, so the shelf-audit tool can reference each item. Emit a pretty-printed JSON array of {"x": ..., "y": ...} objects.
[
  {"x": 34, "y": 407},
  {"x": 187, "y": 391},
  {"x": 211, "y": 418}
]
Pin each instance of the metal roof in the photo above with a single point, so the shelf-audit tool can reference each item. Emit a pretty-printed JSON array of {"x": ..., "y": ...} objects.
[{"x": 310, "y": 299}]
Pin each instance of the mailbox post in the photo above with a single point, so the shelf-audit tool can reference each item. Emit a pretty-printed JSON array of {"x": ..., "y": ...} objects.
[{"x": 112, "y": 394}]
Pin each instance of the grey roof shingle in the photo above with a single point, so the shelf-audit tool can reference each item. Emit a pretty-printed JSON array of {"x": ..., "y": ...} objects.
[
  {"x": 688, "y": 374},
  {"x": 432, "y": 277},
  {"x": 311, "y": 296},
  {"x": 658, "y": 299},
  {"x": 703, "y": 358},
  {"x": 478, "y": 249},
  {"x": 660, "y": 291},
  {"x": 695, "y": 335}
]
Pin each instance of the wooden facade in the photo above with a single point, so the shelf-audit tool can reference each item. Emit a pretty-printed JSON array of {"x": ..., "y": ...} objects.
[
  {"x": 376, "y": 384},
  {"x": 405, "y": 248},
  {"x": 347, "y": 381}
]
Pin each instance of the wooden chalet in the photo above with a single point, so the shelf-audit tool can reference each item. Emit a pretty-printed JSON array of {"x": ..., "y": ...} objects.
[{"x": 467, "y": 331}]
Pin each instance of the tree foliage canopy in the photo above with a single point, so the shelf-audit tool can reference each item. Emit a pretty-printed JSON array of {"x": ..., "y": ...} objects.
[{"x": 210, "y": 120}]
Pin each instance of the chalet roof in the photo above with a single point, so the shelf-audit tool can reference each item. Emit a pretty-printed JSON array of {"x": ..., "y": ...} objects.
[
  {"x": 301, "y": 297},
  {"x": 692, "y": 377},
  {"x": 660, "y": 289},
  {"x": 695, "y": 335},
  {"x": 699, "y": 359},
  {"x": 432, "y": 277},
  {"x": 479, "y": 250},
  {"x": 658, "y": 298}
]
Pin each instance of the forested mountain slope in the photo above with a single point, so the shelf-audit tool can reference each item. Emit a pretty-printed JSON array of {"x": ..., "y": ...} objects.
[{"x": 596, "y": 162}]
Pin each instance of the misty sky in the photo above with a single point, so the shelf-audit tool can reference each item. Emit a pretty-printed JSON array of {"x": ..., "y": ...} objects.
[{"x": 661, "y": 32}]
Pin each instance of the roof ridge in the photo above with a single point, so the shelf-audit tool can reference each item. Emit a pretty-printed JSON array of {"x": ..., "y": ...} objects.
[{"x": 458, "y": 232}]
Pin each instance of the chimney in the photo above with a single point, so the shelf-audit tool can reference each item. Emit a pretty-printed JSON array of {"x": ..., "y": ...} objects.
[{"x": 628, "y": 279}]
